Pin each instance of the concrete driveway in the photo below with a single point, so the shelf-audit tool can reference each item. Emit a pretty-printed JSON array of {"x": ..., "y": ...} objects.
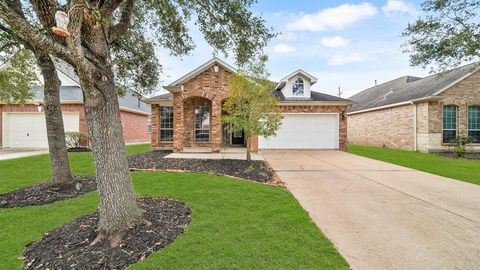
[
  {"x": 383, "y": 216},
  {"x": 11, "y": 153}
]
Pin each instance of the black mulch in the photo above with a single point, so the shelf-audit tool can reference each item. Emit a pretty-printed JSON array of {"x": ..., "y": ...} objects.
[
  {"x": 68, "y": 246},
  {"x": 472, "y": 156},
  {"x": 256, "y": 170},
  {"x": 46, "y": 193},
  {"x": 79, "y": 149}
]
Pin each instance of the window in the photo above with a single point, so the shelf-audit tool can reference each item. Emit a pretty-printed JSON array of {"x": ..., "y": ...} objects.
[
  {"x": 149, "y": 124},
  {"x": 298, "y": 87},
  {"x": 474, "y": 123},
  {"x": 166, "y": 124},
  {"x": 202, "y": 124},
  {"x": 449, "y": 123}
]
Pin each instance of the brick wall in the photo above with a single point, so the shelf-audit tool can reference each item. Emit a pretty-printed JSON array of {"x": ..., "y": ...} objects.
[
  {"x": 134, "y": 127},
  {"x": 392, "y": 127},
  {"x": 132, "y": 122}
]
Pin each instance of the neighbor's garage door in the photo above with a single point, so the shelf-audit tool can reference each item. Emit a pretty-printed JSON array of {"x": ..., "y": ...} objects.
[
  {"x": 304, "y": 131},
  {"x": 29, "y": 129}
]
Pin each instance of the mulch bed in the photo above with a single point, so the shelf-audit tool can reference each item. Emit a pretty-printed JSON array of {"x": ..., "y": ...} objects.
[
  {"x": 79, "y": 149},
  {"x": 256, "y": 170},
  {"x": 46, "y": 193},
  {"x": 68, "y": 246},
  {"x": 472, "y": 156}
]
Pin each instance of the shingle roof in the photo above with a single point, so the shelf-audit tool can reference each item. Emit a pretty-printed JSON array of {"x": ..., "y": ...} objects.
[
  {"x": 408, "y": 88},
  {"x": 314, "y": 96},
  {"x": 74, "y": 93}
]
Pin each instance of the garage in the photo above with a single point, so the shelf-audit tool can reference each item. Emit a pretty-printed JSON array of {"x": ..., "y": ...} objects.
[
  {"x": 28, "y": 129},
  {"x": 305, "y": 131}
]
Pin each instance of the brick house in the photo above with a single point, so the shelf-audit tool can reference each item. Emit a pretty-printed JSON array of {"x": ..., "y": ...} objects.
[
  {"x": 190, "y": 114},
  {"x": 419, "y": 114},
  {"x": 23, "y": 125}
]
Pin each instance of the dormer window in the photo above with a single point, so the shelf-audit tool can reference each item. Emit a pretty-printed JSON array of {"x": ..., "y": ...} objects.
[{"x": 298, "y": 87}]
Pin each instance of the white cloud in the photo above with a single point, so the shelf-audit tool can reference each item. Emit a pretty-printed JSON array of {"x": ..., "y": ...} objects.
[
  {"x": 397, "y": 6},
  {"x": 333, "y": 18},
  {"x": 334, "y": 42},
  {"x": 342, "y": 59},
  {"x": 283, "y": 48}
]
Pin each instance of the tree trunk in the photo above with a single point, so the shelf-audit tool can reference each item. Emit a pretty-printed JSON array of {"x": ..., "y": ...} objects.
[
  {"x": 118, "y": 207},
  {"x": 249, "y": 157},
  {"x": 60, "y": 164}
]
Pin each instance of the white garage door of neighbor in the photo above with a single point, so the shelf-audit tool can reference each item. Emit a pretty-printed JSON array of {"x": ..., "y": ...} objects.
[
  {"x": 304, "y": 131},
  {"x": 29, "y": 129}
]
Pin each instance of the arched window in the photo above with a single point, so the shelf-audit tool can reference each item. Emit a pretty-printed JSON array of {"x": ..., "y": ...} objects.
[
  {"x": 474, "y": 123},
  {"x": 298, "y": 87},
  {"x": 449, "y": 123}
]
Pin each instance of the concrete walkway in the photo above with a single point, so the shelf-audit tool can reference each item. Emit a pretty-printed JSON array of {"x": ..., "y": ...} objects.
[
  {"x": 205, "y": 153},
  {"x": 383, "y": 216},
  {"x": 11, "y": 153}
]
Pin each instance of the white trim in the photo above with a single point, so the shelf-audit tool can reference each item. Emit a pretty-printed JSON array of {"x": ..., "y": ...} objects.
[
  {"x": 201, "y": 68},
  {"x": 306, "y": 103},
  {"x": 419, "y": 100},
  {"x": 133, "y": 111}
]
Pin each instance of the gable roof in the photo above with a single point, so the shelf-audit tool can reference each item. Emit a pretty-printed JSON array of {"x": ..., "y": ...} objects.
[
  {"x": 408, "y": 88},
  {"x": 200, "y": 69},
  {"x": 314, "y": 96},
  {"x": 283, "y": 81}
]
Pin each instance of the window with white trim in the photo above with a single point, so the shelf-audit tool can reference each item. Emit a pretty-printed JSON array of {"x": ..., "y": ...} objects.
[
  {"x": 298, "y": 87},
  {"x": 202, "y": 124},
  {"x": 474, "y": 123},
  {"x": 449, "y": 123},
  {"x": 166, "y": 124}
]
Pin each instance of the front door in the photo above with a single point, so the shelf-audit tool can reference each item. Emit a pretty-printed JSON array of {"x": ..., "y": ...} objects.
[{"x": 238, "y": 138}]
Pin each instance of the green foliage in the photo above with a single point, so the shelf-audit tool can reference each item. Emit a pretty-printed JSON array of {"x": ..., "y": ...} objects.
[
  {"x": 446, "y": 36},
  {"x": 17, "y": 72},
  {"x": 250, "y": 106},
  {"x": 75, "y": 139},
  {"x": 461, "y": 143},
  {"x": 460, "y": 169},
  {"x": 233, "y": 224}
]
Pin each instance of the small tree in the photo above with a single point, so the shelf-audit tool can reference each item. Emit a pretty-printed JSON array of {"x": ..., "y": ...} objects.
[{"x": 251, "y": 107}]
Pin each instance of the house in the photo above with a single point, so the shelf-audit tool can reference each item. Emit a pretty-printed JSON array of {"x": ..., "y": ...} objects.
[
  {"x": 422, "y": 114},
  {"x": 190, "y": 114},
  {"x": 23, "y": 125}
]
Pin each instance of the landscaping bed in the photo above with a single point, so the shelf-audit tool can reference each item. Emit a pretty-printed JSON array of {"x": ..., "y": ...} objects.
[
  {"x": 257, "y": 171},
  {"x": 48, "y": 192},
  {"x": 68, "y": 247},
  {"x": 472, "y": 156}
]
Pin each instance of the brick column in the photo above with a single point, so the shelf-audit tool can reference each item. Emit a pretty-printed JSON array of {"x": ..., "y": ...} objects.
[
  {"x": 216, "y": 128},
  {"x": 155, "y": 111},
  {"x": 178, "y": 123}
]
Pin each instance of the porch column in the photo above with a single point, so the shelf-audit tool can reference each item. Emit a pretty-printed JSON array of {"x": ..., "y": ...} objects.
[
  {"x": 216, "y": 128},
  {"x": 178, "y": 125}
]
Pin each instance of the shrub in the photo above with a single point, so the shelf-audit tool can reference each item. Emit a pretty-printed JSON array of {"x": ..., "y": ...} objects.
[
  {"x": 461, "y": 143},
  {"x": 75, "y": 139}
]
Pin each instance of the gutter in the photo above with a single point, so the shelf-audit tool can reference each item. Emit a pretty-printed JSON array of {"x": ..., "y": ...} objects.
[
  {"x": 414, "y": 101},
  {"x": 415, "y": 133}
]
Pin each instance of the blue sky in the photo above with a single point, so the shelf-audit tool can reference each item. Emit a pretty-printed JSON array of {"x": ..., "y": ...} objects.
[{"x": 343, "y": 43}]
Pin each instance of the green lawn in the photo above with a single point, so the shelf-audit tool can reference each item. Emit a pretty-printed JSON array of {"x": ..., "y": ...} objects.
[
  {"x": 460, "y": 169},
  {"x": 236, "y": 224}
]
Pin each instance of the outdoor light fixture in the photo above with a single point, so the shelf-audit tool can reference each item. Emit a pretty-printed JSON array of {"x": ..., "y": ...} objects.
[
  {"x": 40, "y": 108},
  {"x": 61, "y": 18}
]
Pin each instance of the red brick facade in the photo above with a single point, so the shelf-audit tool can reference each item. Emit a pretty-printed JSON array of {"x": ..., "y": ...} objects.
[
  {"x": 210, "y": 88},
  {"x": 134, "y": 124}
]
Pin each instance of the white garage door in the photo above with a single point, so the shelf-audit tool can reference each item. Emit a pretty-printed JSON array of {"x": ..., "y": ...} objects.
[
  {"x": 29, "y": 129},
  {"x": 304, "y": 131}
]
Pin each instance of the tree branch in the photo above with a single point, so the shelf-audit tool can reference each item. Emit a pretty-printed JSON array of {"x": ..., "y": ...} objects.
[
  {"x": 31, "y": 34},
  {"x": 121, "y": 27},
  {"x": 110, "y": 6}
]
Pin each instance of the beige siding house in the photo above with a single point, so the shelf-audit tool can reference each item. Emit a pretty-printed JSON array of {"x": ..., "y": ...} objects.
[{"x": 419, "y": 114}]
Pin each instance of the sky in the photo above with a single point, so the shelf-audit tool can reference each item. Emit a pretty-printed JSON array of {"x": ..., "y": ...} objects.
[{"x": 346, "y": 44}]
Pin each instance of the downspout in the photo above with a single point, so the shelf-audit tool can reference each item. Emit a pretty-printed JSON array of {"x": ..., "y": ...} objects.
[{"x": 415, "y": 138}]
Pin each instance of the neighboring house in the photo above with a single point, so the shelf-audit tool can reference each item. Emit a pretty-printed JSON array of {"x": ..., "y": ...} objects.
[
  {"x": 23, "y": 125},
  {"x": 422, "y": 114},
  {"x": 190, "y": 115}
]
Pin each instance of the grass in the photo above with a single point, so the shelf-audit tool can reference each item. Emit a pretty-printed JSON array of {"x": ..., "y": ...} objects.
[
  {"x": 235, "y": 224},
  {"x": 460, "y": 169}
]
